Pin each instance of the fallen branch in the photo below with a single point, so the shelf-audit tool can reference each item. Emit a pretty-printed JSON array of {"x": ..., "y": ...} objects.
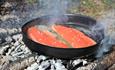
[{"x": 101, "y": 64}]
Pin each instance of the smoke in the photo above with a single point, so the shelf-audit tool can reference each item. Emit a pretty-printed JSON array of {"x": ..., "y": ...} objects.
[
  {"x": 55, "y": 10},
  {"x": 106, "y": 23}
]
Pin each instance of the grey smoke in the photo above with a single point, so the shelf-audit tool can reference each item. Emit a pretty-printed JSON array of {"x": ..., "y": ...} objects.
[
  {"x": 55, "y": 9},
  {"x": 107, "y": 22}
]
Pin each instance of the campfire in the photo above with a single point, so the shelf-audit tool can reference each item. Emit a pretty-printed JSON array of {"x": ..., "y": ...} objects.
[
  {"x": 65, "y": 48},
  {"x": 20, "y": 51}
]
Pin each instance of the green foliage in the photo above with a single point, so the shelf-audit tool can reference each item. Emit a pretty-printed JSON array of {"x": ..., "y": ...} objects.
[
  {"x": 31, "y": 1},
  {"x": 110, "y": 3},
  {"x": 88, "y": 3}
]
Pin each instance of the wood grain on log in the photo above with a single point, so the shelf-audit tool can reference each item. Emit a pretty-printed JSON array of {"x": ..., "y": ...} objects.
[
  {"x": 103, "y": 63},
  {"x": 112, "y": 67}
]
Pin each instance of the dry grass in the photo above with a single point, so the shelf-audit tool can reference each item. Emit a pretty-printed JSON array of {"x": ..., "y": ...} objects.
[{"x": 94, "y": 8}]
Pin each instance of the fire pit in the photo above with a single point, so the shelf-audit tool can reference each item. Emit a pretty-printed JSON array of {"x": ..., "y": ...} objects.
[{"x": 83, "y": 23}]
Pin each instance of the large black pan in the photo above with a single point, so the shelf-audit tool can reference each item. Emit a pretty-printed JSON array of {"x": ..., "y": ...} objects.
[{"x": 66, "y": 53}]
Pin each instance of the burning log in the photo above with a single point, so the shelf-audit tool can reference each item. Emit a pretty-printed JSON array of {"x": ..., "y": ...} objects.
[
  {"x": 112, "y": 67},
  {"x": 107, "y": 61},
  {"x": 102, "y": 64}
]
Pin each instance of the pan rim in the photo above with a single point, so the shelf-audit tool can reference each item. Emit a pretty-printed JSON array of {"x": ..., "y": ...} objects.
[
  {"x": 24, "y": 32},
  {"x": 91, "y": 49}
]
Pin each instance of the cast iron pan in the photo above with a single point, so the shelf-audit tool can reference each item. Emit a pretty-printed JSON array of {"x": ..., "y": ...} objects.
[{"x": 86, "y": 23}]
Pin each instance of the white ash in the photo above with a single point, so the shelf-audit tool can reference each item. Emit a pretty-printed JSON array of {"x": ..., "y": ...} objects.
[
  {"x": 10, "y": 50},
  {"x": 21, "y": 64},
  {"x": 88, "y": 67},
  {"x": 13, "y": 30},
  {"x": 6, "y": 17},
  {"x": 17, "y": 37},
  {"x": 58, "y": 65},
  {"x": 6, "y": 4},
  {"x": 44, "y": 65},
  {"x": 20, "y": 51},
  {"x": 50, "y": 64},
  {"x": 34, "y": 66},
  {"x": 4, "y": 61},
  {"x": 6, "y": 32},
  {"x": 85, "y": 62},
  {"x": 16, "y": 49},
  {"x": 41, "y": 58},
  {"x": 2, "y": 49},
  {"x": 78, "y": 61},
  {"x": 8, "y": 39},
  {"x": 2, "y": 30}
]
